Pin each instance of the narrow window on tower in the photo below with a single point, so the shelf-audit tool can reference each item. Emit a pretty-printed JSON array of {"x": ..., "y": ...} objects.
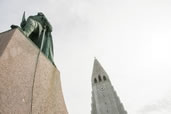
[
  {"x": 99, "y": 78},
  {"x": 95, "y": 80},
  {"x": 104, "y": 78},
  {"x": 107, "y": 111}
]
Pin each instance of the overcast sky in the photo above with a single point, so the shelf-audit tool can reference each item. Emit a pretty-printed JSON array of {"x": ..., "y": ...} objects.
[{"x": 130, "y": 38}]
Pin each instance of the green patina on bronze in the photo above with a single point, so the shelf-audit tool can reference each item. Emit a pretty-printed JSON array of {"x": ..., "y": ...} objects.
[{"x": 36, "y": 28}]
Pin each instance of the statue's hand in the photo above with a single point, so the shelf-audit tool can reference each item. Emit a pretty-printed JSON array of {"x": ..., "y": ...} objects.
[{"x": 14, "y": 26}]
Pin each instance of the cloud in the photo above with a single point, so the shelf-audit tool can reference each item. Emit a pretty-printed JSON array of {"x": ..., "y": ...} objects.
[{"x": 161, "y": 106}]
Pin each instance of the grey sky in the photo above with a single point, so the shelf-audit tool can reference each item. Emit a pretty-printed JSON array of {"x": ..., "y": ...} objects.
[{"x": 130, "y": 38}]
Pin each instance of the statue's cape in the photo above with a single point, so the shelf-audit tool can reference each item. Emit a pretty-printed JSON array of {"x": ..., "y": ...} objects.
[
  {"x": 47, "y": 44},
  {"x": 37, "y": 25}
]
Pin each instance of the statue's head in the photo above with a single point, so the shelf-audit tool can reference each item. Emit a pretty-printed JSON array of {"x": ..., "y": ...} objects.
[{"x": 40, "y": 14}]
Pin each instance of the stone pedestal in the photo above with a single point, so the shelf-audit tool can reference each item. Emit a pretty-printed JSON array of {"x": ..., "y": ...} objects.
[{"x": 18, "y": 57}]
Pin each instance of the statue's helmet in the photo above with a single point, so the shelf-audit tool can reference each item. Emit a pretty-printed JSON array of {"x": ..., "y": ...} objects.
[{"x": 40, "y": 14}]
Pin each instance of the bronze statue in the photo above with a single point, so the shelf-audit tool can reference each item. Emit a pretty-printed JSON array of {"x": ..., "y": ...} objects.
[{"x": 38, "y": 29}]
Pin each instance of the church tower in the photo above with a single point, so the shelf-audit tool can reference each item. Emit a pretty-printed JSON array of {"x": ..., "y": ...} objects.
[{"x": 104, "y": 97}]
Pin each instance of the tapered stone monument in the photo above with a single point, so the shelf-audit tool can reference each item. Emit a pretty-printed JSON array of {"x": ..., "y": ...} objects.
[
  {"x": 104, "y": 98},
  {"x": 29, "y": 84}
]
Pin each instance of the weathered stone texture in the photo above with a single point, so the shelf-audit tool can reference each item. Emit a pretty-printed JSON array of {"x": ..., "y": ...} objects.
[{"x": 18, "y": 57}]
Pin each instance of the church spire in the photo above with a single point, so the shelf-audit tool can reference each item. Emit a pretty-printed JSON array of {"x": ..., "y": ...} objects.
[
  {"x": 99, "y": 73},
  {"x": 104, "y": 97}
]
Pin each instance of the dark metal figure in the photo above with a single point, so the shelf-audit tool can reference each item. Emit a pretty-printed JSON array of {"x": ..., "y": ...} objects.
[{"x": 38, "y": 29}]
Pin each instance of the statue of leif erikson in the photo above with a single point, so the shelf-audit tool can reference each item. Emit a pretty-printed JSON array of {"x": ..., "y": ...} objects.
[{"x": 38, "y": 29}]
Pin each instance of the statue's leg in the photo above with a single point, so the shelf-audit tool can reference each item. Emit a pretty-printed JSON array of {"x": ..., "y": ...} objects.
[{"x": 30, "y": 27}]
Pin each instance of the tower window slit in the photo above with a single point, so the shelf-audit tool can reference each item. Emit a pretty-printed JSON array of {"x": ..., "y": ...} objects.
[
  {"x": 99, "y": 78},
  {"x": 107, "y": 111},
  {"x": 104, "y": 78},
  {"x": 95, "y": 80}
]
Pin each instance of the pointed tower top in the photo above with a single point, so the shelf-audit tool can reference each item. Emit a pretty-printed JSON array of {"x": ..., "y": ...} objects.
[
  {"x": 99, "y": 73},
  {"x": 104, "y": 98}
]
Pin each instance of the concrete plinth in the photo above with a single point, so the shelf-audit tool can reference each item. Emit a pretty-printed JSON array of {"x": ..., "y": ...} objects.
[{"x": 18, "y": 57}]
